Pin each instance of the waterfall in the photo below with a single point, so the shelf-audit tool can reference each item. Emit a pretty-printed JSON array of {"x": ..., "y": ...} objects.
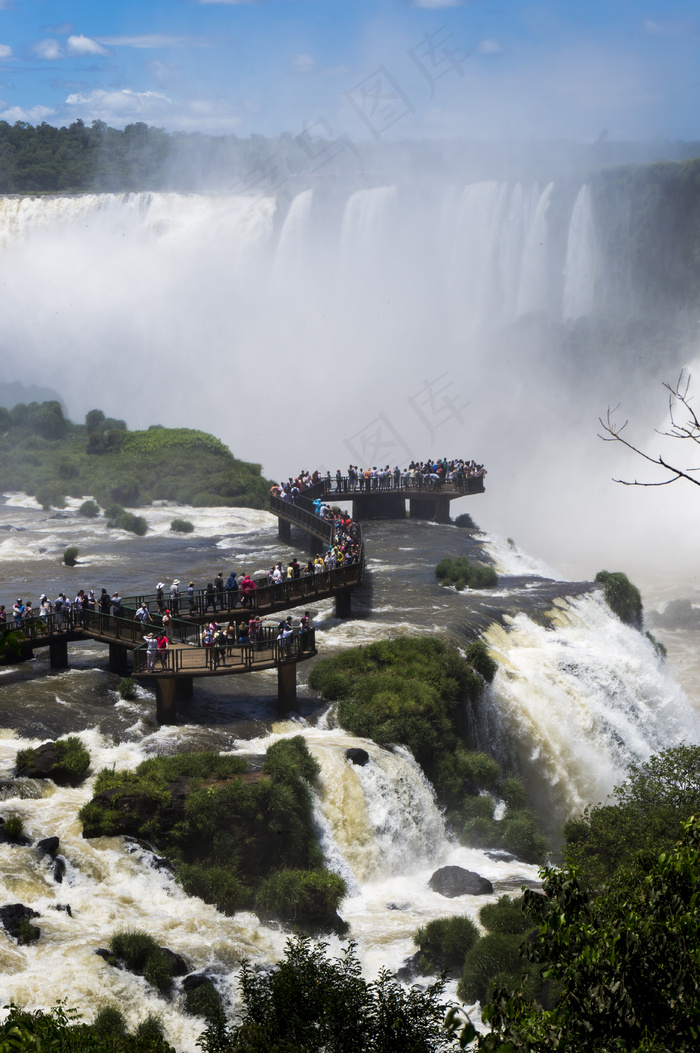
[
  {"x": 582, "y": 700},
  {"x": 580, "y": 269},
  {"x": 533, "y": 294}
]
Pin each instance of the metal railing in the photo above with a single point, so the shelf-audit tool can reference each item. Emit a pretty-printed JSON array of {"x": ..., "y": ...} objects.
[
  {"x": 242, "y": 655},
  {"x": 305, "y": 517},
  {"x": 288, "y": 592},
  {"x": 126, "y": 630},
  {"x": 471, "y": 484}
]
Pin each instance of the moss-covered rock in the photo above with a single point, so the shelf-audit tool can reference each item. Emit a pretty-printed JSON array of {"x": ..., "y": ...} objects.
[
  {"x": 622, "y": 597},
  {"x": 65, "y": 761},
  {"x": 233, "y": 835}
]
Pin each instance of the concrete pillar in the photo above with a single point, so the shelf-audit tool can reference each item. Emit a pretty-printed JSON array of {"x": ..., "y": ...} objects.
[
  {"x": 165, "y": 700},
  {"x": 315, "y": 545},
  {"x": 287, "y": 683},
  {"x": 118, "y": 659},
  {"x": 284, "y": 529},
  {"x": 442, "y": 509},
  {"x": 379, "y": 504},
  {"x": 420, "y": 508},
  {"x": 58, "y": 653},
  {"x": 343, "y": 605}
]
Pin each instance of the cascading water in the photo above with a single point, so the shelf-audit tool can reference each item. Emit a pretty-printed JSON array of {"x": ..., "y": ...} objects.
[{"x": 581, "y": 267}]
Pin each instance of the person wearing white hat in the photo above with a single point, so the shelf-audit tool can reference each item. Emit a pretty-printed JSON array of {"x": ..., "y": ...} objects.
[
  {"x": 174, "y": 593},
  {"x": 159, "y": 596},
  {"x": 151, "y": 651}
]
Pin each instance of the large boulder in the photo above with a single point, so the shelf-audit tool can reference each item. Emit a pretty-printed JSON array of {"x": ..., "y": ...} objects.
[
  {"x": 357, "y": 756},
  {"x": 16, "y": 919},
  {"x": 456, "y": 881}
]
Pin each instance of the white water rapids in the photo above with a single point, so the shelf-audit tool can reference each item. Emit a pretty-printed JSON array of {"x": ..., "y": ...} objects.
[{"x": 580, "y": 699}]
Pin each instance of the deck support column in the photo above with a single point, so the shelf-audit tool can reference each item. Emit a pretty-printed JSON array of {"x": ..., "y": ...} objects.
[
  {"x": 169, "y": 691},
  {"x": 58, "y": 653},
  {"x": 287, "y": 684},
  {"x": 284, "y": 529},
  {"x": 118, "y": 659},
  {"x": 343, "y": 605}
]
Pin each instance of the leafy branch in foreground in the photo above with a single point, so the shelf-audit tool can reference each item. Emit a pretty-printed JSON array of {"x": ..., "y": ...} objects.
[{"x": 688, "y": 429}]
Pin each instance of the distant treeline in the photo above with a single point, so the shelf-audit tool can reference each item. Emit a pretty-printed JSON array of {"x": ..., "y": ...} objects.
[
  {"x": 44, "y": 454},
  {"x": 97, "y": 158}
]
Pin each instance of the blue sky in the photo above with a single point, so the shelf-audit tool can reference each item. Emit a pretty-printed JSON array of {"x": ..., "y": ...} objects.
[{"x": 383, "y": 69}]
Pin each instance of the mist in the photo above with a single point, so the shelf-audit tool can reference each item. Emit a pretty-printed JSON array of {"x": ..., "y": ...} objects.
[{"x": 367, "y": 324}]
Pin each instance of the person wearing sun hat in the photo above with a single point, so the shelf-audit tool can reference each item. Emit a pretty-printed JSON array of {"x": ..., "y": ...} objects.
[
  {"x": 159, "y": 596},
  {"x": 151, "y": 651},
  {"x": 174, "y": 593}
]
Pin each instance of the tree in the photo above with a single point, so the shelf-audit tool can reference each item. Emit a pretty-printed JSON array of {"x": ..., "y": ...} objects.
[
  {"x": 309, "y": 1002},
  {"x": 684, "y": 425},
  {"x": 626, "y": 962}
]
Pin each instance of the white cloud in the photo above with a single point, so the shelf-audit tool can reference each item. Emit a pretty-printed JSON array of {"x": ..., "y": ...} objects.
[
  {"x": 154, "y": 40},
  {"x": 301, "y": 64},
  {"x": 432, "y": 5},
  {"x": 80, "y": 45},
  {"x": 58, "y": 31},
  {"x": 653, "y": 27},
  {"x": 489, "y": 47},
  {"x": 33, "y": 116},
  {"x": 123, "y": 104},
  {"x": 5, "y": 51},
  {"x": 48, "y": 49}
]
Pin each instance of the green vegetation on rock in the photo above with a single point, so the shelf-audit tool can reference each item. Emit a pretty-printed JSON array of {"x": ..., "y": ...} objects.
[
  {"x": 89, "y": 509},
  {"x": 70, "y": 556},
  {"x": 461, "y": 572},
  {"x": 46, "y": 455},
  {"x": 13, "y": 827},
  {"x": 140, "y": 954},
  {"x": 23, "y": 1031},
  {"x": 68, "y": 760},
  {"x": 239, "y": 839},
  {"x": 127, "y": 688},
  {"x": 622, "y": 597},
  {"x": 416, "y": 691},
  {"x": 181, "y": 526},
  {"x": 443, "y": 942}
]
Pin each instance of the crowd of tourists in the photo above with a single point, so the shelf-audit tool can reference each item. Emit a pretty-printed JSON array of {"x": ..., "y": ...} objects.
[{"x": 419, "y": 475}]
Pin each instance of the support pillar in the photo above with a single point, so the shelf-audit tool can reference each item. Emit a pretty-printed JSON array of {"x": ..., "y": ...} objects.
[
  {"x": 118, "y": 659},
  {"x": 287, "y": 683},
  {"x": 58, "y": 653},
  {"x": 284, "y": 529},
  {"x": 169, "y": 691},
  {"x": 442, "y": 509},
  {"x": 343, "y": 605}
]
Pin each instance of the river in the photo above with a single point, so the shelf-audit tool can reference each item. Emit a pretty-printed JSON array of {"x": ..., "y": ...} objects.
[{"x": 577, "y": 696}]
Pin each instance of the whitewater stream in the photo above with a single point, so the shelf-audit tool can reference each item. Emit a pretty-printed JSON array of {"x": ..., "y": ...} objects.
[{"x": 576, "y": 697}]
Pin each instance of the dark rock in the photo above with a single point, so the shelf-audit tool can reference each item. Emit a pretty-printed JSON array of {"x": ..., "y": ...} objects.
[
  {"x": 195, "y": 980},
  {"x": 178, "y": 965},
  {"x": 398, "y": 906},
  {"x": 410, "y": 968},
  {"x": 59, "y": 870},
  {"x": 65, "y": 907},
  {"x": 48, "y": 845},
  {"x": 501, "y": 856},
  {"x": 13, "y": 917},
  {"x": 61, "y": 515},
  {"x": 104, "y": 953},
  {"x": 45, "y": 757},
  {"x": 357, "y": 756},
  {"x": 456, "y": 881}
]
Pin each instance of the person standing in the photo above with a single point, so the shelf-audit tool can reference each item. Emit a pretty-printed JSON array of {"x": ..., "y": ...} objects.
[
  {"x": 151, "y": 652},
  {"x": 163, "y": 650},
  {"x": 168, "y": 625},
  {"x": 104, "y": 602},
  {"x": 174, "y": 593},
  {"x": 191, "y": 599}
]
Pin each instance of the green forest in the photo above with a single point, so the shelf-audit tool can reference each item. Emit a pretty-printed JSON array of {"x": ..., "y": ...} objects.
[{"x": 44, "y": 454}]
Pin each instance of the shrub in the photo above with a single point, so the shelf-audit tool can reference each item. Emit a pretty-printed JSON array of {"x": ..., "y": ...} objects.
[
  {"x": 127, "y": 689},
  {"x": 445, "y": 941},
  {"x": 70, "y": 556},
  {"x": 512, "y": 791},
  {"x": 460, "y": 571},
  {"x": 181, "y": 526},
  {"x": 477, "y": 654},
  {"x": 14, "y": 827},
  {"x": 142, "y": 955},
  {"x": 506, "y": 917},
  {"x": 492, "y": 958},
  {"x": 26, "y": 932},
  {"x": 49, "y": 496},
  {"x": 89, "y": 509},
  {"x": 71, "y": 765},
  {"x": 149, "y": 1028},
  {"x": 623, "y": 598},
  {"x": 481, "y": 807},
  {"x": 204, "y": 1000},
  {"x": 519, "y": 835},
  {"x": 218, "y": 885},
  {"x": 466, "y": 522},
  {"x": 110, "y": 1021},
  {"x": 301, "y": 894}
]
